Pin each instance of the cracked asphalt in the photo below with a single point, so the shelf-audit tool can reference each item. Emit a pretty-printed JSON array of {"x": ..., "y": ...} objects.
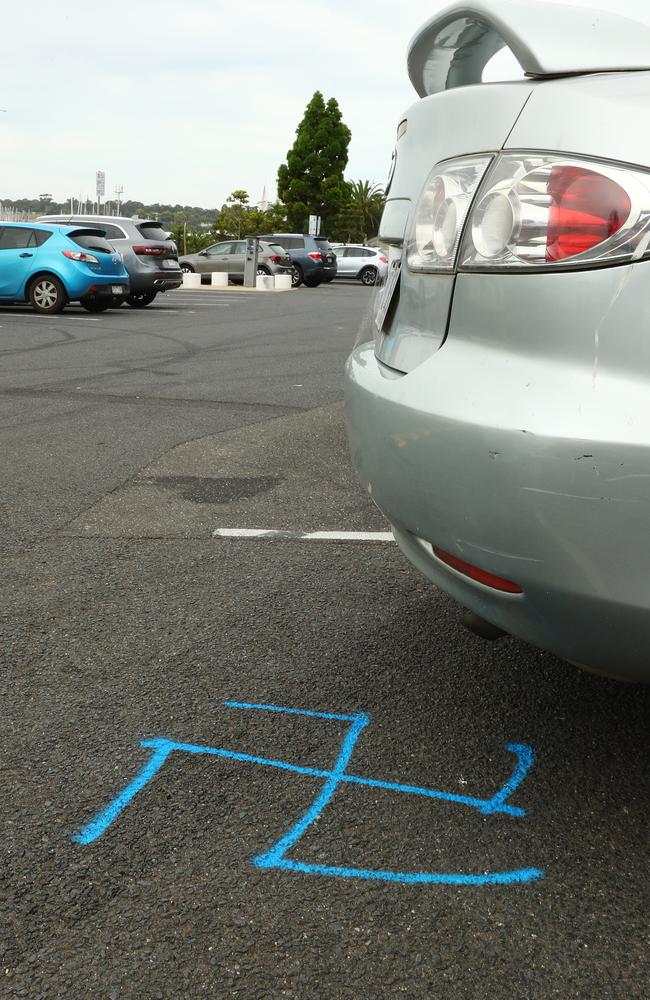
[{"x": 125, "y": 440}]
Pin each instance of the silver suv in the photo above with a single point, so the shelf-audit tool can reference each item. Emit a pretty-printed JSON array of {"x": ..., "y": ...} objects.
[
  {"x": 366, "y": 264},
  {"x": 149, "y": 256},
  {"x": 230, "y": 256}
]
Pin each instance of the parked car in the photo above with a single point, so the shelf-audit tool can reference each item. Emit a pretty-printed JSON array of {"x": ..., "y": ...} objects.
[
  {"x": 50, "y": 266},
  {"x": 230, "y": 256},
  {"x": 501, "y": 417},
  {"x": 365, "y": 264},
  {"x": 312, "y": 258},
  {"x": 150, "y": 258}
]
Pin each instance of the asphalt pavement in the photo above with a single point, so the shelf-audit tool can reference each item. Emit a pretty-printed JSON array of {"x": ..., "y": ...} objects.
[{"x": 274, "y": 768}]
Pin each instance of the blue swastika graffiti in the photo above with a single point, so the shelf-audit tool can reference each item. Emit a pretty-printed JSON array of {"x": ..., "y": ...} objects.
[{"x": 277, "y": 857}]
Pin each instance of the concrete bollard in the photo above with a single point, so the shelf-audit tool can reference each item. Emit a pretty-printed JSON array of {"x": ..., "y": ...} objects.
[
  {"x": 264, "y": 282},
  {"x": 219, "y": 279},
  {"x": 191, "y": 280},
  {"x": 283, "y": 281}
]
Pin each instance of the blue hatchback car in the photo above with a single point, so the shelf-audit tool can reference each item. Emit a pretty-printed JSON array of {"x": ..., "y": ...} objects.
[{"x": 50, "y": 266}]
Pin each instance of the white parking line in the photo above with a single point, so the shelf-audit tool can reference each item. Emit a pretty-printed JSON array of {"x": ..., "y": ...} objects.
[{"x": 272, "y": 534}]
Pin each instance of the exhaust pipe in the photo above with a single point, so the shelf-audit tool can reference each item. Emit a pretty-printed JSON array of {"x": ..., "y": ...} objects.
[{"x": 479, "y": 626}]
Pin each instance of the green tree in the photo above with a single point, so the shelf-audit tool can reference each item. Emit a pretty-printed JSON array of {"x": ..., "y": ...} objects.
[
  {"x": 248, "y": 220},
  {"x": 311, "y": 181},
  {"x": 358, "y": 220},
  {"x": 239, "y": 200}
]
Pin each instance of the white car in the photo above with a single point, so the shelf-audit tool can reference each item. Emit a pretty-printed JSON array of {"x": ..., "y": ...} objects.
[{"x": 363, "y": 263}]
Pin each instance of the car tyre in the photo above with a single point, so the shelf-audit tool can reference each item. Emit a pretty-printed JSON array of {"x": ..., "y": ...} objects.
[
  {"x": 368, "y": 276},
  {"x": 47, "y": 295},
  {"x": 186, "y": 268},
  {"x": 261, "y": 269},
  {"x": 138, "y": 300},
  {"x": 94, "y": 305},
  {"x": 296, "y": 276}
]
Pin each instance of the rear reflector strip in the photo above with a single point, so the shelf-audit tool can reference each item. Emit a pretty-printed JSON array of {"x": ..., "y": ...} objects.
[{"x": 474, "y": 573}]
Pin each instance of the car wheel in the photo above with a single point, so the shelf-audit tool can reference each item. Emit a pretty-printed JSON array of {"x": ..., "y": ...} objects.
[
  {"x": 312, "y": 282},
  {"x": 47, "y": 294},
  {"x": 186, "y": 268},
  {"x": 262, "y": 270},
  {"x": 296, "y": 276},
  {"x": 368, "y": 276},
  {"x": 94, "y": 305},
  {"x": 138, "y": 300}
]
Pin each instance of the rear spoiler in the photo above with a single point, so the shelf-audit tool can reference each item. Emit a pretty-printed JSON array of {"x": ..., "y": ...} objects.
[
  {"x": 82, "y": 230},
  {"x": 453, "y": 48}
]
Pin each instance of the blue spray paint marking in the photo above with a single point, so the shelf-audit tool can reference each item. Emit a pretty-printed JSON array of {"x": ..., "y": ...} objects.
[{"x": 338, "y": 775}]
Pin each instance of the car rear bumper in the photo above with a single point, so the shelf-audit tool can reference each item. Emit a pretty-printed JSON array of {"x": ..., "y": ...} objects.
[
  {"x": 453, "y": 457},
  {"x": 97, "y": 286},
  {"x": 155, "y": 281}
]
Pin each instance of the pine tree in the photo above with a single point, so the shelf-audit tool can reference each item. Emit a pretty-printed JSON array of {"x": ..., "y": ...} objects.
[{"x": 311, "y": 181}]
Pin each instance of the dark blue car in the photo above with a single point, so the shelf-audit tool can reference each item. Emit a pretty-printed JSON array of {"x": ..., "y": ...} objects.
[
  {"x": 312, "y": 258},
  {"x": 50, "y": 266}
]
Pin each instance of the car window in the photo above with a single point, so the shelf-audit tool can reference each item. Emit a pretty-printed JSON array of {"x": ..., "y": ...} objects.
[
  {"x": 16, "y": 238},
  {"x": 218, "y": 248},
  {"x": 362, "y": 252},
  {"x": 91, "y": 241},
  {"x": 323, "y": 244},
  {"x": 41, "y": 236},
  {"x": 152, "y": 231},
  {"x": 290, "y": 242},
  {"x": 239, "y": 247},
  {"x": 275, "y": 248},
  {"x": 111, "y": 232}
]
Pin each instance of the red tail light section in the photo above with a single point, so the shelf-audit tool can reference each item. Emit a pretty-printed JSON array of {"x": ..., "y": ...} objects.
[
  {"x": 475, "y": 573},
  {"x": 585, "y": 209},
  {"x": 315, "y": 256},
  {"x": 525, "y": 210},
  {"x": 80, "y": 256},
  {"x": 149, "y": 251}
]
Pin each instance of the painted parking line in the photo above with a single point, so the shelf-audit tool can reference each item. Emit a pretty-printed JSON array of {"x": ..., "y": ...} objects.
[{"x": 273, "y": 534}]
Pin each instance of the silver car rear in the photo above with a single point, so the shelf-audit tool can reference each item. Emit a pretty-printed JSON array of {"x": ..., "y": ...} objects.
[{"x": 500, "y": 418}]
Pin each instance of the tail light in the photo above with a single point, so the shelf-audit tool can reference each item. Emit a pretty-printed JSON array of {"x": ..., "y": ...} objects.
[
  {"x": 383, "y": 259},
  {"x": 78, "y": 255},
  {"x": 148, "y": 251},
  {"x": 315, "y": 256},
  {"x": 520, "y": 211},
  {"x": 275, "y": 259},
  {"x": 441, "y": 211}
]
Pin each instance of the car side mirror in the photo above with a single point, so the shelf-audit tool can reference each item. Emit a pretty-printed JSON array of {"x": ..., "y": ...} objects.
[{"x": 203, "y": 253}]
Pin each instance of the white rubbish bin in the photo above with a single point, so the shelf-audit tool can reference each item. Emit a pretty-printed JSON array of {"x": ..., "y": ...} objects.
[
  {"x": 264, "y": 282},
  {"x": 283, "y": 281},
  {"x": 219, "y": 279},
  {"x": 191, "y": 280}
]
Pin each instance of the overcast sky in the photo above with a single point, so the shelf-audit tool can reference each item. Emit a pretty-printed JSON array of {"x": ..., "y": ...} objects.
[{"x": 186, "y": 100}]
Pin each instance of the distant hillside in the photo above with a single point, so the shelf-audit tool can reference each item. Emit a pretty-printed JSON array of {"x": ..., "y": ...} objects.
[{"x": 168, "y": 215}]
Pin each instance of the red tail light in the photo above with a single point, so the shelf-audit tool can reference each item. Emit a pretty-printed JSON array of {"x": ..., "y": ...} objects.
[
  {"x": 383, "y": 259},
  {"x": 315, "y": 256},
  {"x": 586, "y": 208},
  {"x": 480, "y": 575},
  {"x": 275, "y": 260},
  {"x": 149, "y": 251},
  {"x": 78, "y": 255}
]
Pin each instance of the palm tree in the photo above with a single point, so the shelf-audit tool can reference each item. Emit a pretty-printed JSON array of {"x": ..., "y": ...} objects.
[{"x": 366, "y": 203}]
